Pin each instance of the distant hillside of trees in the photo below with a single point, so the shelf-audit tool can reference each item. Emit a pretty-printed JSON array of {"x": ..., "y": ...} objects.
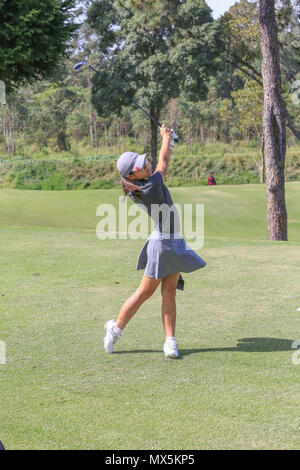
[{"x": 74, "y": 115}]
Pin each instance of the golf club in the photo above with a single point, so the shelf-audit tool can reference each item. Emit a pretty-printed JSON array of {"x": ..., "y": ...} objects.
[{"x": 80, "y": 64}]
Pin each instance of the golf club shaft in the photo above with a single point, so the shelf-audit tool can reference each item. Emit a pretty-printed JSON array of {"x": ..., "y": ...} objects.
[
  {"x": 79, "y": 65},
  {"x": 127, "y": 96}
]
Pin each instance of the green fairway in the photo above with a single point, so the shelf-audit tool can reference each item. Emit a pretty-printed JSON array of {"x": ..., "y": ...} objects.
[{"x": 234, "y": 387}]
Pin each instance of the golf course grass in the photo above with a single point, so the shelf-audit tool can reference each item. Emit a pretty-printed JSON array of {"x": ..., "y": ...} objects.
[{"x": 235, "y": 385}]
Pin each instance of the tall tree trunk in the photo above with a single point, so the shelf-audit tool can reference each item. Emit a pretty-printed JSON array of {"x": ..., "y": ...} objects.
[
  {"x": 274, "y": 121},
  {"x": 262, "y": 162},
  {"x": 154, "y": 133},
  {"x": 261, "y": 165},
  {"x": 92, "y": 141},
  {"x": 95, "y": 135},
  {"x": 12, "y": 138},
  {"x": 62, "y": 141}
]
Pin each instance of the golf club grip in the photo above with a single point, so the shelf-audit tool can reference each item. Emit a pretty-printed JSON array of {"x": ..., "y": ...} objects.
[{"x": 174, "y": 135}]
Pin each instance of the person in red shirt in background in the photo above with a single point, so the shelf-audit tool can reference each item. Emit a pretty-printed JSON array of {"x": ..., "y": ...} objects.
[{"x": 211, "y": 180}]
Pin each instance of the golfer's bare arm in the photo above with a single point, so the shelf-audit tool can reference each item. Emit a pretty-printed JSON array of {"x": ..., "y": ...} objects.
[{"x": 165, "y": 152}]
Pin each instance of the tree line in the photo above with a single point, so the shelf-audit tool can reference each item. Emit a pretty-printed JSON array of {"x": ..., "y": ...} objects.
[
  {"x": 234, "y": 78},
  {"x": 201, "y": 76}
]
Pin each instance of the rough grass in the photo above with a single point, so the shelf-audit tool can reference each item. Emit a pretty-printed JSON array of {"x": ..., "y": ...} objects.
[{"x": 235, "y": 386}]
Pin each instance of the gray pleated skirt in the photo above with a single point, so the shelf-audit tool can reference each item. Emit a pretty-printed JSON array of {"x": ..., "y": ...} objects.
[{"x": 160, "y": 257}]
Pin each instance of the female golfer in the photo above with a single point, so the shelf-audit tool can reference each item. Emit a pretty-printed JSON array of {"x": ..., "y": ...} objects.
[{"x": 165, "y": 254}]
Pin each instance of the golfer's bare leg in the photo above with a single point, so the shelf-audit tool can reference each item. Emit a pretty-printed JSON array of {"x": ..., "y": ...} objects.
[
  {"x": 168, "y": 311},
  {"x": 147, "y": 287}
]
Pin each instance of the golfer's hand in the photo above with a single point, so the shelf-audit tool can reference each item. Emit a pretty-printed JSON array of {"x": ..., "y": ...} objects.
[{"x": 165, "y": 132}]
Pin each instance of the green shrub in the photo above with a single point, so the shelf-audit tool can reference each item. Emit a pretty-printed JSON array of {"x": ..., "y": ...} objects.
[
  {"x": 230, "y": 165},
  {"x": 101, "y": 184},
  {"x": 55, "y": 182}
]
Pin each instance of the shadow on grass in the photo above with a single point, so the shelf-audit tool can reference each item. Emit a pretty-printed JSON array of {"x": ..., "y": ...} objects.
[
  {"x": 244, "y": 345},
  {"x": 249, "y": 345}
]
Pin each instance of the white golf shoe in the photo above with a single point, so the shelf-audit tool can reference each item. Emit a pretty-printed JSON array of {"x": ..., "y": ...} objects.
[
  {"x": 170, "y": 349},
  {"x": 110, "y": 336}
]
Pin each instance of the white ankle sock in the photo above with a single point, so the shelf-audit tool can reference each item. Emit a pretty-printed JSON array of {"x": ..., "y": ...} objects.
[
  {"x": 117, "y": 330},
  {"x": 170, "y": 338}
]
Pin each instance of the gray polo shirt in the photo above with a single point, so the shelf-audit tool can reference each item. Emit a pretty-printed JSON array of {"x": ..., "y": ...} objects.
[{"x": 156, "y": 200}]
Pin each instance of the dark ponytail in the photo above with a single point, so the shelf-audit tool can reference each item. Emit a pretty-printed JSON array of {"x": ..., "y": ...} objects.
[{"x": 129, "y": 186}]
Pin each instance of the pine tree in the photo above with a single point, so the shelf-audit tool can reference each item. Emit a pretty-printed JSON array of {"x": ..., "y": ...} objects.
[
  {"x": 274, "y": 121},
  {"x": 155, "y": 51},
  {"x": 33, "y": 39}
]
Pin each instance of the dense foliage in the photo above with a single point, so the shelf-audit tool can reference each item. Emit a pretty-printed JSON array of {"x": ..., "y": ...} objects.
[
  {"x": 209, "y": 95},
  {"x": 33, "y": 38}
]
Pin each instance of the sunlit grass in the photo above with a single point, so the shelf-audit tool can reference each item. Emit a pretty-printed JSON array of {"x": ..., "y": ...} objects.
[{"x": 235, "y": 386}]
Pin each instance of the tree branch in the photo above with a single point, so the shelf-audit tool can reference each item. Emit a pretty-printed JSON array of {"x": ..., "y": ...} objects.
[
  {"x": 245, "y": 72},
  {"x": 246, "y": 64},
  {"x": 290, "y": 123},
  {"x": 292, "y": 127}
]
